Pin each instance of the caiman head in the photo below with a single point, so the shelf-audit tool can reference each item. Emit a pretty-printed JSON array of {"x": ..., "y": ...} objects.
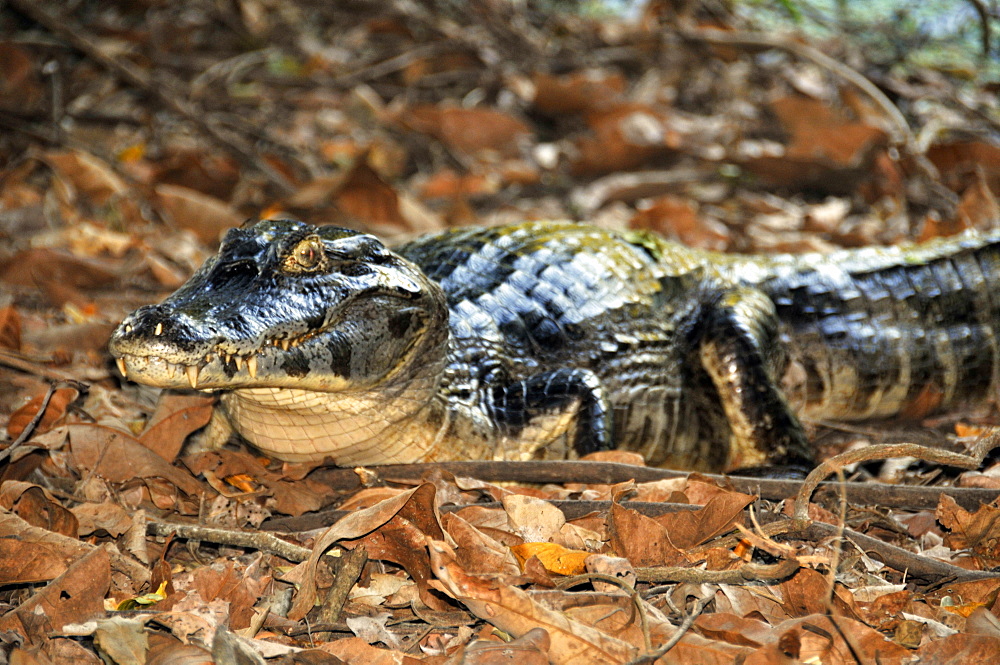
[{"x": 288, "y": 305}]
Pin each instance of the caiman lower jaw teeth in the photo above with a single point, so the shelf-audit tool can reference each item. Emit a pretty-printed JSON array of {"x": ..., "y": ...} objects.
[
  {"x": 252, "y": 366},
  {"x": 239, "y": 363},
  {"x": 121, "y": 366},
  {"x": 192, "y": 375},
  {"x": 284, "y": 344}
]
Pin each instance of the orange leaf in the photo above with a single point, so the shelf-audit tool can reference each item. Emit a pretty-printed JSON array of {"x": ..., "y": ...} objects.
[
  {"x": 242, "y": 482},
  {"x": 10, "y": 328},
  {"x": 556, "y": 558}
]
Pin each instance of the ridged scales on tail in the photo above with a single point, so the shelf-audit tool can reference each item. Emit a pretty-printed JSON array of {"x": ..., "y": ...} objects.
[{"x": 554, "y": 339}]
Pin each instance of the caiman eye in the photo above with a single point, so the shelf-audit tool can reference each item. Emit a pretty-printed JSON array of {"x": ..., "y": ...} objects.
[{"x": 307, "y": 255}]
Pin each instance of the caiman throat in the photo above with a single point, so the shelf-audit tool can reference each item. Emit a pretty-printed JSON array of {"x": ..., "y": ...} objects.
[{"x": 555, "y": 339}]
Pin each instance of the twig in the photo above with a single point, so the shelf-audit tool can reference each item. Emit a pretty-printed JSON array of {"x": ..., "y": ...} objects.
[
  {"x": 984, "y": 28},
  {"x": 887, "y": 450},
  {"x": 172, "y": 96},
  {"x": 569, "y": 471},
  {"x": 685, "y": 626},
  {"x": 748, "y": 572},
  {"x": 32, "y": 424},
  {"x": 265, "y": 542},
  {"x": 347, "y": 575}
]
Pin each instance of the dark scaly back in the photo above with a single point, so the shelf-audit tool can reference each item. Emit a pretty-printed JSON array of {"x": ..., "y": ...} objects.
[
  {"x": 537, "y": 297},
  {"x": 885, "y": 332}
]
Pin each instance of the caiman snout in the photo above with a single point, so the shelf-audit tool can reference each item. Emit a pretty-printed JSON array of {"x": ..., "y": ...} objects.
[{"x": 160, "y": 331}]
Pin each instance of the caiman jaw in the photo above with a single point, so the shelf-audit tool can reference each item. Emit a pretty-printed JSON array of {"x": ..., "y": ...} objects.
[{"x": 283, "y": 305}]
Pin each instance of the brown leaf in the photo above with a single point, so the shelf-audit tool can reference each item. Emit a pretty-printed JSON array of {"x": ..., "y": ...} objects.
[
  {"x": 642, "y": 540},
  {"x": 469, "y": 130},
  {"x": 206, "y": 216},
  {"x": 106, "y": 516},
  {"x": 689, "y": 529},
  {"x": 74, "y": 597},
  {"x": 978, "y": 206},
  {"x": 958, "y": 161},
  {"x": 238, "y": 584},
  {"x": 477, "y": 551},
  {"x": 10, "y": 329},
  {"x": 354, "y": 525},
  {"x": 513, "y": 611},
  {"x": 90, "y": 175},
  {"x": 21, "y": 89},
  {"x": 354, "y": 650},
  {"x": 118, "y": 457},
  {"x": 61, "y": 399},
  {"x": 677, "y": 218},
  {"x": 961, "y": 648},
  {"x": 59, "y": 275},
  {"x": 978, "y": 531},
  {"x": 622, "y": 137},
  {"x": 29, "y": 554},
  {"x": 576, "y": 92},
  {"x": 177, "y": 415},
  {"x": 38, "y": 507},
  {"x": 529, "y": 649}
]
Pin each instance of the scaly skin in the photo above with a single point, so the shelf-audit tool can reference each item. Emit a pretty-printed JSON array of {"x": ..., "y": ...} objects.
[{"x": 552, "y": 339}]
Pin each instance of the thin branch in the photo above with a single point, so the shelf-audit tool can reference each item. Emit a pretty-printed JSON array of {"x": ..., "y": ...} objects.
[
  {"x": 653, "y": 656},
  {"x": 885, "y": 451},
  {"x": 262, "y": 541}
]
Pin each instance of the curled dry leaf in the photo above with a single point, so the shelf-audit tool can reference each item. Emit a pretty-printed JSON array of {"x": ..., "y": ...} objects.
[{"x": 36, "y": 506}]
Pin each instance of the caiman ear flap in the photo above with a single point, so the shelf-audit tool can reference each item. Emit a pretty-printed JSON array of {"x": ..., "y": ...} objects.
[{"x": 358, "y": 247}]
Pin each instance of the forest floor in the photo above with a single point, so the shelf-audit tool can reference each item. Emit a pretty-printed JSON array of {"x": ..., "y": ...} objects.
[{"x": 134, "y": 134}]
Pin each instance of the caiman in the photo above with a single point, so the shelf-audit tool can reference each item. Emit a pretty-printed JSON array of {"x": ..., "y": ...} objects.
[{"x": 555, "y": 339}]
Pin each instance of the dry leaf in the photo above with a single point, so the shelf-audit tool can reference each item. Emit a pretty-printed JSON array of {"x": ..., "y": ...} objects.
[
  {"x": 511, "y": 610},
  {"x": 208, "y": 217},
  {"x": 556, "y": 558},
  {"x": 54, "y": 412}
]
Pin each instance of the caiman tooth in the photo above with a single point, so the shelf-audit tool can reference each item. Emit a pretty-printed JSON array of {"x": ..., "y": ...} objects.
[
  {"x": 229, "y": 357},
  {"x": 192, "y": 374},
  {"x": 121, "y": 366},
  {"x": 159, "y": 329},
  {"x": 171, "y": 369},
  {"x": 284, "y": 344},
  {"x": 128, "y": 328},
  {"x": 239, "y": 363},
  {"x": 252, "y": 366}
]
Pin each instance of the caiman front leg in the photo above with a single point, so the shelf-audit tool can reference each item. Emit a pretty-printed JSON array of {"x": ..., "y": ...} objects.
[
  {"x": 740, "y": 350},
  {"x": 539, "y": 410}
]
